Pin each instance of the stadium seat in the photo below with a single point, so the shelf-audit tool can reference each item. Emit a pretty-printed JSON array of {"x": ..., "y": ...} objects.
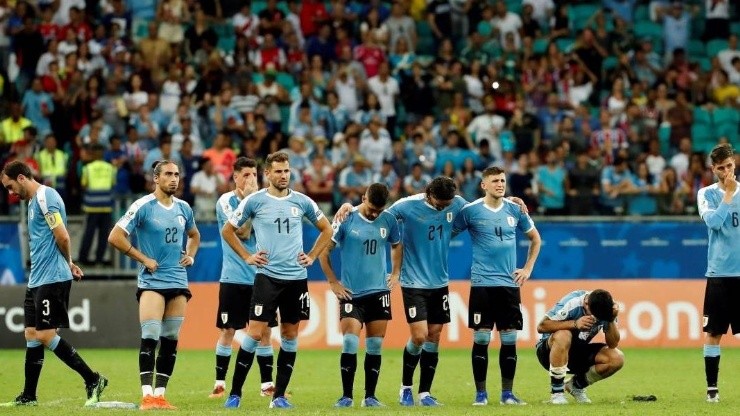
[
  {"x": 664, "y": 137},
  {"x": 609, "y": 63},
  {"x": 647, "y": 28},
  {"x": 423, "y": 30},
  {"x": 578, "y": 14},
  {"x": 714, "y": 46},
  {"x": 704, "y": 63},
  {"x": 702, "y": 116},
  {"x": 729, "y": 131},
  {"x": 227, "y": 43},
  {"x": 425, "y": 46},
  {"x": 286, "y": 80},
  {"x": 257, "y": 77},
  {"x": 258, "y": 6},
  {"x": 696, "y": 48},
  {"x": 540, "y": 45},
  {"x": 642, "y": 12},
  {"x": 565, "y": 44},
  {"x": 702, "y": 138},
  {"x": 726, "y": 115},
  {"x": 735, "y": 28},
  {"x": 514, "y": 6}
]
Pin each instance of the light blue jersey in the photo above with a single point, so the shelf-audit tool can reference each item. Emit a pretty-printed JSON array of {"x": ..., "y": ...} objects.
[
  {"x": 493, "y": 234},
  {"x": 160, "y": 234},
  {"x": 723, "y": 226},
  {"x": 570, "y": 308},
  {"x": 46, "y": 211},
  {"x": 278, "y": 224},
  {"x": 233, "y": 268},
  {"x": 426, "y": 240},
  {"x": 363, "y": 254}
]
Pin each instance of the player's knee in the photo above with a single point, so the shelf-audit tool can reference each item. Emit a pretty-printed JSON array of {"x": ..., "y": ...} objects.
[
  {"x": 561, "y": 339},
  {"x": 482, "y": 337},
  {"x": 373, "y": 345},
  {"x": 289, "y": 344},
  {"x": 432, "y": 347},
  {"x": 616, "y": 359},
  {"x": 266, "y": 334},
  {"x": 30, "y": 334},
  {"x": 508, "y": 337},
  {"x": 434, "y": 334},
  {"x": 288, "y": 331},
  {"x": 350, "y": 344},
  {"x": 171, "y": 327},
  {"x": 418, "y": 339},
  {"x": 151, "y": 329}
]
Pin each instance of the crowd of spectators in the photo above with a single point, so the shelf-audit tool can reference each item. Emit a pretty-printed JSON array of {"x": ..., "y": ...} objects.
[{"x": 592, "y": 107}]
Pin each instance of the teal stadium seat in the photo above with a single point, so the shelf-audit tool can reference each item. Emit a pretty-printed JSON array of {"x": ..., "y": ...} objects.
[
  {"x": 642, "y": 12},
  {"x": 704, "y": 63},
  {"x": 647, "y": 28},
  {"x": 609, "y": 63},
  {"x": 702, "y": 138},
  {"x": 286, "y": 80},
  {"x": 714, "y": 46},
  {"x": 726, "y": 115},
  {"x": 579, "y": 14},
  {"x": 540, "y": 45},
  {"x": 702, "y": 116},
  {"x": 565, "y": 44},
  {"x": 735, "y": 28},
  {"x": 664, "y": 137},
  {"x": 696, "y": 48}
]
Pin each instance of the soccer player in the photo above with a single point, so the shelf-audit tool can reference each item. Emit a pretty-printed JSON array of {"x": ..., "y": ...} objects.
[
  {"x": 495, "y": 298},
  {"x": 364, "y": 291},
  {"x": 49, "y": 284},
  {"x": 277, "y": 214},
  {"x": 161, "y": 223},
  {"x": 427, "y": 230},
  {"x": 718, "y": 207},
  {"x": 235, "y": 291},
  {"x": 565, "y": 346}
]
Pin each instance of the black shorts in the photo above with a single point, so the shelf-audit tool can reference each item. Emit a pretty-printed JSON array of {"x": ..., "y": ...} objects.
[
  {"x": 721, "y": 307},
  {"x": 581, "y": 356},
  {"x": 499, "y": 306},
  {"x": 431, "y": 305},
  {"x": 168, "y": 294},
  {"x": 375, "y": 307},
  {"x": 271, "y": 294},
  {"x": 234, "y": 300},
  {"x": 45, "y": 306}
]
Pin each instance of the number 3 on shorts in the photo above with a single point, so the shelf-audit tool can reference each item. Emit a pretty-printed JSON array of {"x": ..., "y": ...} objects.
[{"x": 46, "y": 311}]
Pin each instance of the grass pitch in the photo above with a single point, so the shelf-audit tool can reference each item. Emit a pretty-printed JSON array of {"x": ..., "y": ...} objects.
[{"x": 675, "y": 376}]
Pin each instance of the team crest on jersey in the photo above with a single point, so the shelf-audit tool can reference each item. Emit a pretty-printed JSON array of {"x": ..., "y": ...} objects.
[
  {"x": 347, "y": 308},
  {"x": 30, "y": 213},
  {"x": 181, "y": 220},
  {"x": 383, "y": 232},
  {"x": 257, "y": 310},
  {"x": 294, "y": 211},
  {"x": 511, "y": 221},
  {"x": 705, "y": 322},
  {"x": 476, "y": 318},
  {"x": 412, "y": 312},
  {"x": 224, "y": 317},
  {"x": 449, "y": 217}
]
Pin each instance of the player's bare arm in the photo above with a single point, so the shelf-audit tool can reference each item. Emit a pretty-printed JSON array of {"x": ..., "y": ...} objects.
[
  {"x": 61, "y": 237},
  {"x": 396, "y": 261},
  {"x": 119, "y": 240},
  {"x": 520, "y": 202},
  {"x": 336, "y": 286},
  {"x": 535, "y": 243},
  {"x": 611, "y": 332},
  {"x": 320, "y": 245},
  {"x": 191, "y": 248},
  {"x": 229, "y": 234}
]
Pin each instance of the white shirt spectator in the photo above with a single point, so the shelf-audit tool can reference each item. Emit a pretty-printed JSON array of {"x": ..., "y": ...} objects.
[
  {"x": 61, "y": 17},
  {"x": 376, "y": 149},
  {"x": 680, "y": 162},
  {"x": 488, "y": 126},
  {"x": 541, "y": 9},
  {"x": 717, "y": 9},
  {"x": 347, "y": 93},
  {"x": 386, "y": 91},
  {"x": 655, "y": 165},
  {"x": 509, "y": 23},
  {"x": 246, "y": 25},
  {"x": 194, "y": 137},
  {"x": 170, "y": 97},
  {"x": 725, "y": 58},
  {"x": 207, "y": 195}
]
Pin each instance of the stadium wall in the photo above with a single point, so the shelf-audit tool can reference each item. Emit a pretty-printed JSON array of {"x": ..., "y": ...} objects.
[{"x": 655, "y": 313}]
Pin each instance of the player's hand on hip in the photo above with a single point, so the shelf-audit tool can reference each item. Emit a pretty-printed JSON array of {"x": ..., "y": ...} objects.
[
  {"x": 392, "y": 280},
  {"x": 305, "y": 260},
  {"x": 520, "y": 202},
  {"x": 521, "y": 276},
  {"x": 342, "y": 292},
  {"x": 76, "y": 271},
  {"x": 258, "y": 259},
  {"x": 151, "y": 265},
  {"x": 186, "y": 260}
]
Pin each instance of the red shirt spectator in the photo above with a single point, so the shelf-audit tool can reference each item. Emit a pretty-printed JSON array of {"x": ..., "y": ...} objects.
[{"x": 312, "y": 14}]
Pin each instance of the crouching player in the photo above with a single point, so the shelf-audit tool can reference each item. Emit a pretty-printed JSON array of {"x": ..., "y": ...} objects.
[{"x": 565, "y": 347}]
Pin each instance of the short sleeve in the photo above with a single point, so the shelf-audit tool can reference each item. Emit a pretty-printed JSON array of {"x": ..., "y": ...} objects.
[
  {"x": 242, "y": 213},
  {"x": 461, "y": 222},
  {"x": 132, "y": 217},
  {"x": 395, "y": 231},
  {"x": 311, "y": 210}
]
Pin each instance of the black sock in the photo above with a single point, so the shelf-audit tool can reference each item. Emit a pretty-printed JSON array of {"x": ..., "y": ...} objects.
[
  {"x": 265, "y": 363},
  {"x": 557, "y": 384},
  {"x": 372, "y": 372},
  {"x": 711, "y": 368},
  {"x": 34, "y": 362},
  {"x": 347, "y": 367},
  {"x": 146, "y": 361},
  {"x": 579, "y": 381},
  {"x": 410, "y": 362},
  {"x": 285, "y": 363},
  {"x": 69, "y": 356},
  {"x": 427, "y": 367},
  {"x": 507, "y": 363},
  {"x": 166, "y": 361},
  {"x": 479, "y": 358},
  {"x": 222, "y": 366},
  {"x": 244, "y": 360}
]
